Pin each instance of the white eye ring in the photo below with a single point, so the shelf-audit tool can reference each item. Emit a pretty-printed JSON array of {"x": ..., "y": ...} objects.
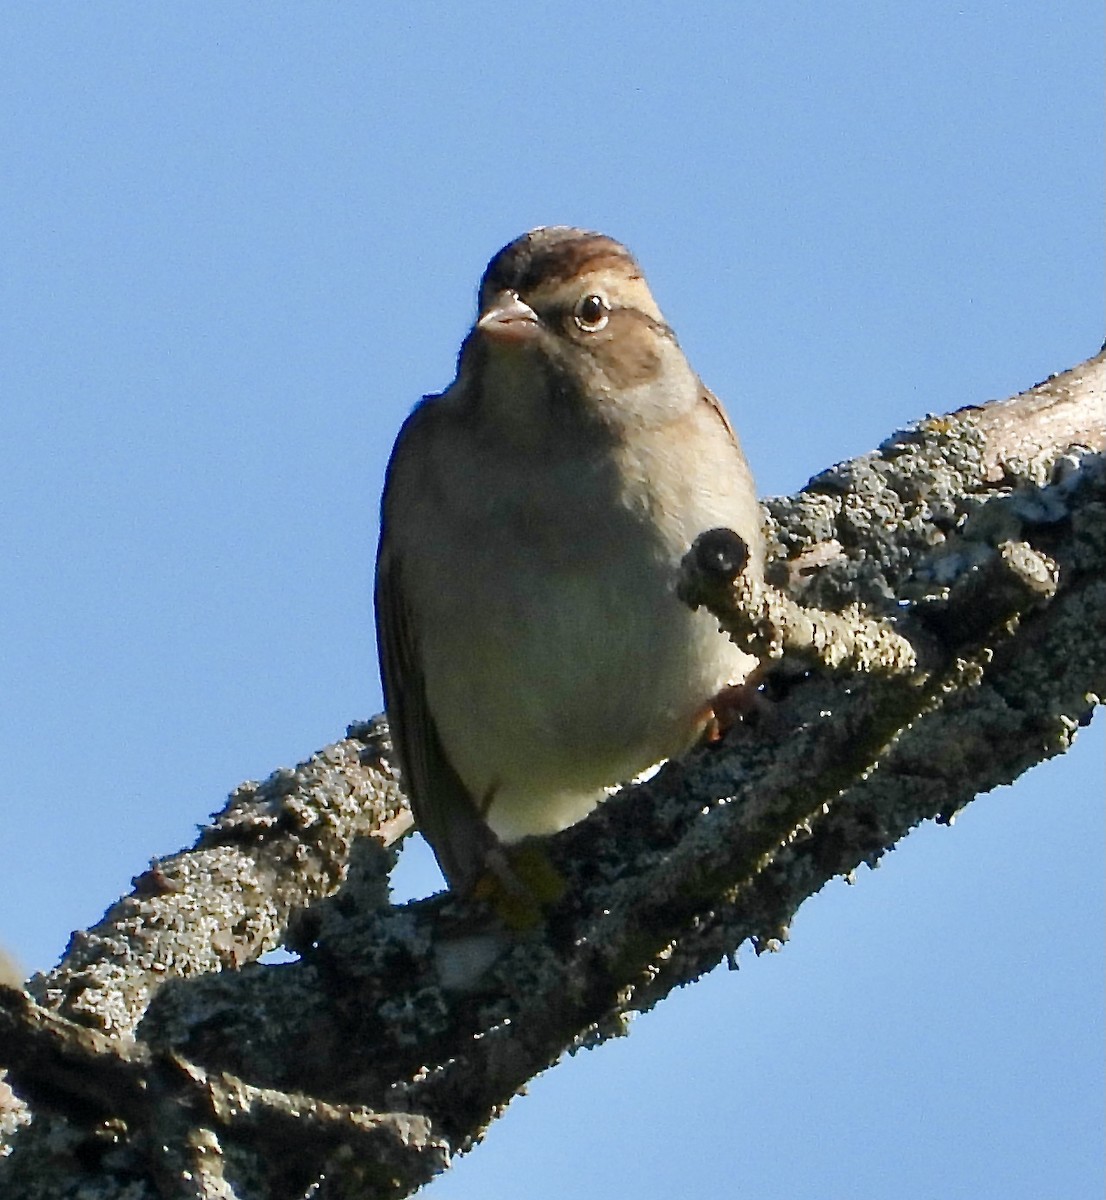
[{"x": 592, "y": 312}]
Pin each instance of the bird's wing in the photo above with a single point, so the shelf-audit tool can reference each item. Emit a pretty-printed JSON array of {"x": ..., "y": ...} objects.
[
  {"x": 747, "y": 526},
  {"x": 444, "y": 811},
  {"x": 712, "y": 401}
]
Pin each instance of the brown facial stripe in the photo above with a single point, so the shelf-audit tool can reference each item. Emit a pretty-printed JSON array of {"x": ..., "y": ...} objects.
[{"x": 628, "y": 358}]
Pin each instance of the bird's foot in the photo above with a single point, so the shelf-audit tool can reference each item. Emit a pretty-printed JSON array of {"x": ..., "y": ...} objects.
[
  {"x": 519, "y": 883},
  {"x": 735, "y": 703}
]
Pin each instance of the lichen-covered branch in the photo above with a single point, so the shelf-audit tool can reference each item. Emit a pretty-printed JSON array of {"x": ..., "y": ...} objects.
[
  {"x": 938, "y": 610},
  {"x": 275, "y": 848}
]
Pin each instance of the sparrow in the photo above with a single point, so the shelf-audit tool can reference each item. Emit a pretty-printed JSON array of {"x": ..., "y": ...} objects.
[{"x": 533, "y": 651}]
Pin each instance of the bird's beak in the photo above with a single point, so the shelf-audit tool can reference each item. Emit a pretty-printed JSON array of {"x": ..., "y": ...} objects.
[{"x": 509, "y": 321}]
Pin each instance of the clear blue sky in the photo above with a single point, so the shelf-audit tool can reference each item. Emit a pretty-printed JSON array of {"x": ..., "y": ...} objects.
[{"x": 240, "y": 240}]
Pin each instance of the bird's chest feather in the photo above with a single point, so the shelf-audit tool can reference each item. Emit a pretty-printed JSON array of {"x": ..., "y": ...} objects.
[
  {"x": 567, "y": 599},
  {"x": 561, "y": 546}
]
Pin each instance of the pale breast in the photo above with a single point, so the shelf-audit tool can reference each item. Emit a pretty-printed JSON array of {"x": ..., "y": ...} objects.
[{"x": 560, "y": 660}]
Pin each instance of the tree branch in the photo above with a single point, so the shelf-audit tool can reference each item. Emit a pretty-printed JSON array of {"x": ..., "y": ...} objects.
[
  {"x": 970, "y": 552},
  {"x": 273, "y": 850}
]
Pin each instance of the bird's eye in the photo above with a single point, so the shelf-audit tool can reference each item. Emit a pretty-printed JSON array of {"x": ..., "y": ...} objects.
[{"x": 591, "y": 312}]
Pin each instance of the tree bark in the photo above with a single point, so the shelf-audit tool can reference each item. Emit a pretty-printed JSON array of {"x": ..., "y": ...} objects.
[{"x": 938, "y": 608}]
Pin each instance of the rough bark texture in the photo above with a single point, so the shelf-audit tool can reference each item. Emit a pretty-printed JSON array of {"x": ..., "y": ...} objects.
[{"x": 957, "y": 578}]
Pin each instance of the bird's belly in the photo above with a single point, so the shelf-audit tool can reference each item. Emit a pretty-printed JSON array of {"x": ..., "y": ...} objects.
[{"x": 571, "y": 680}]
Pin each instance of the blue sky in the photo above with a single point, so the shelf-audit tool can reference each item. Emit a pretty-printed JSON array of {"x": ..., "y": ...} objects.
[{"x": 241, "y": 240}]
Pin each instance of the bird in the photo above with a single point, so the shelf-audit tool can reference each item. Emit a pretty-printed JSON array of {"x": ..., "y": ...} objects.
[{"x": 533, "y": 652}]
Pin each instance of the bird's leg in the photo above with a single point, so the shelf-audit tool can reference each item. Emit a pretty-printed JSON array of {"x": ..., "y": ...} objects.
[
  {"x": 519, "y": 883},
  {"x": 735, "y": 703}
]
